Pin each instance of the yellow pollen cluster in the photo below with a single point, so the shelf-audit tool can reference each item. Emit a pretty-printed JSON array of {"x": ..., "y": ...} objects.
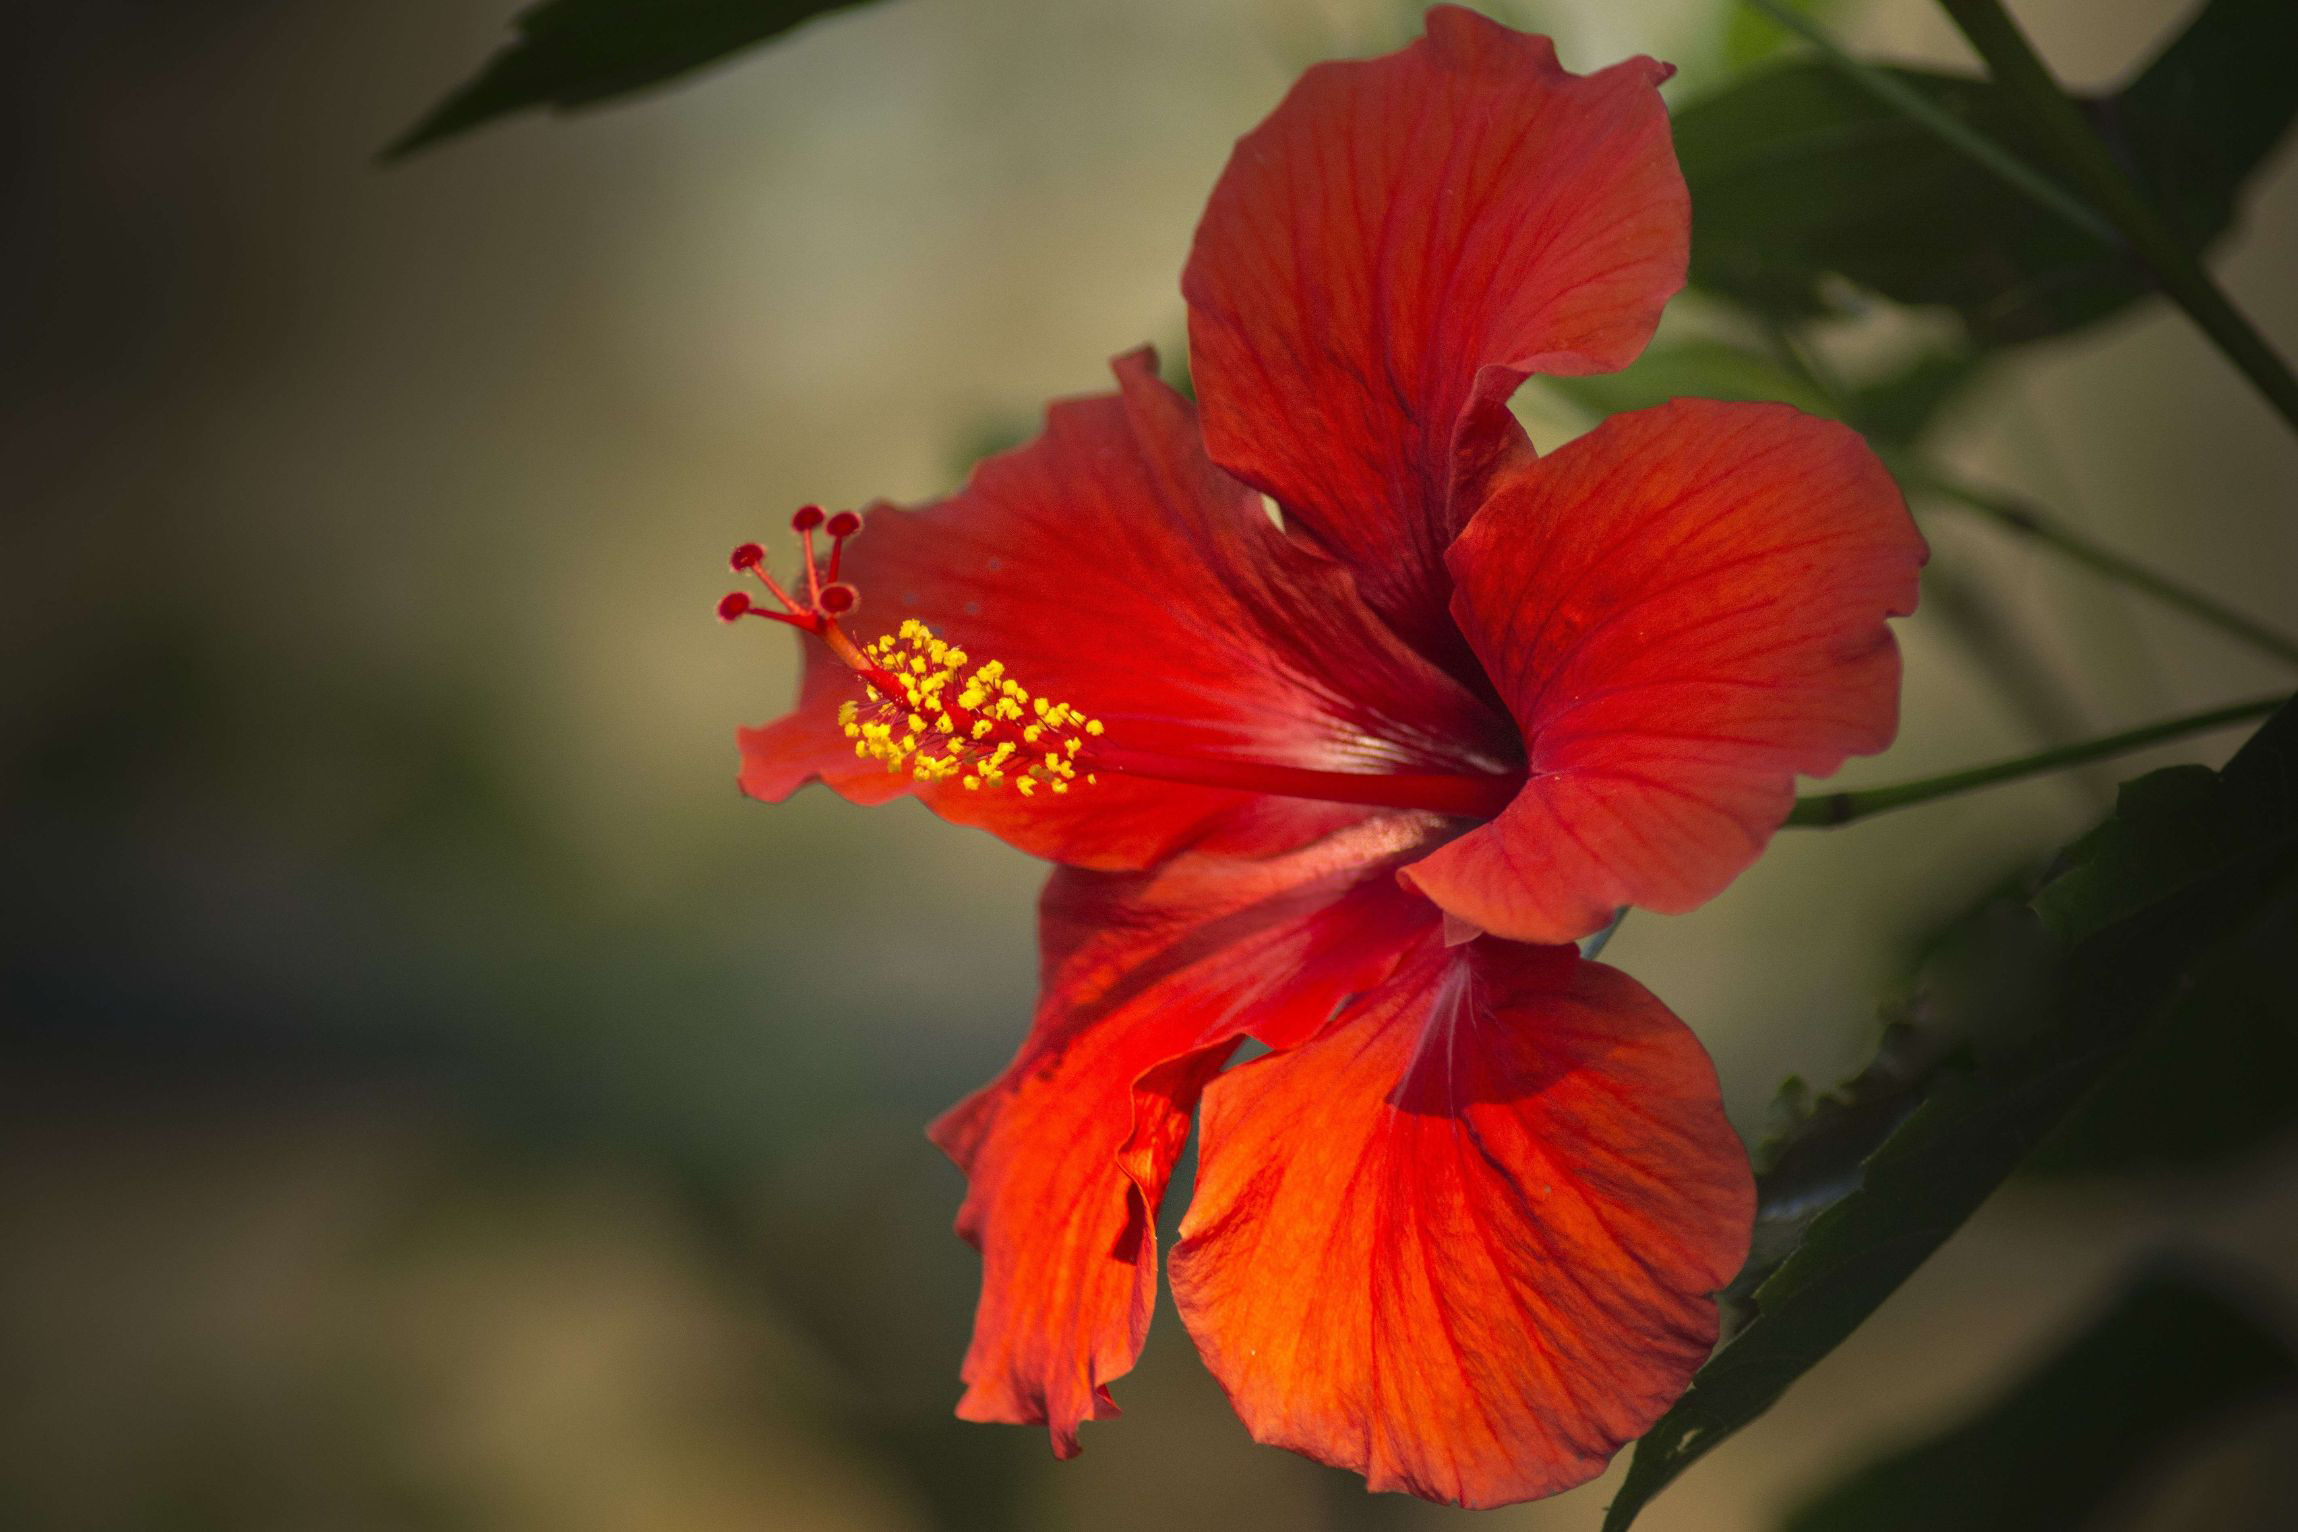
[{"x": 980, "y": 725}]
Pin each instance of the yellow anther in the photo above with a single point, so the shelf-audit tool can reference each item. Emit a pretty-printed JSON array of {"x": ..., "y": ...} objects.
[{"x": 973, "y": 725}]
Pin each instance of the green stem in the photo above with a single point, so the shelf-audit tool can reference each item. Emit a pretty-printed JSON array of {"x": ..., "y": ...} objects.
[
  {"x": 2084, "y": 156},
  {"x": 1895, "y": 93},
  {"x": 1826, "y": 810},
  {"x": 2031, "y": 521}
]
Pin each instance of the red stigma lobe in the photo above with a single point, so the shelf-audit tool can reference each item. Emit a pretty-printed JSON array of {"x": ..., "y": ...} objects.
[{"x": 826, "y": 595}]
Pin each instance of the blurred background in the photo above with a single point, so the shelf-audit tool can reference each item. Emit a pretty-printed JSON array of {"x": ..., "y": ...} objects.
[{"x": 431, "y": 1097}]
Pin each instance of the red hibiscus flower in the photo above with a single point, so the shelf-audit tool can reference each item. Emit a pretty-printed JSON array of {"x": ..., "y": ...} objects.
[{"x": 1351, "y": 785}]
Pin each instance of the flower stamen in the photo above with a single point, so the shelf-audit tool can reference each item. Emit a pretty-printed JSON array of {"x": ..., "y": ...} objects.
[
  {"x": 936, "y": 715},
  {"x": 930, "y": 711}
]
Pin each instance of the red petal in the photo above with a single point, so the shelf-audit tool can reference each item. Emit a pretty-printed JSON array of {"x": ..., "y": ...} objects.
[
  {"x": 1463, "y": 1242},
  {"x": 1112, "y": 567},
  {"x": 1393, "y": 251},
  {"x": 1150, "y": 979},
  {"x": 1684, "y": 609}
]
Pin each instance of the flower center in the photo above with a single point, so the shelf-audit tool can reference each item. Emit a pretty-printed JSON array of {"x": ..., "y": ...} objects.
[{"x": 928, "y": 710}]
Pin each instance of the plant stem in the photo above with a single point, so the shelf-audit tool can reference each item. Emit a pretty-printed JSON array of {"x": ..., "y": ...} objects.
[
  {"x": 1895, "y": 93},
  {"x": 2084, "y": 156},
  {"x": 1826, "y": 810},
  {"x": 2031, "y": 521}
]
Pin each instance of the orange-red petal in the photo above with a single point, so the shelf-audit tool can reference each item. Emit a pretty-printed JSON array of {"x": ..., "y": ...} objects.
[
  {"x": 1111, "y": 566},
  {"x": 1149, "y": 981},
  {"x": 1399, "y": 245},
  {"x": 1684, "y": 610},
  {"x": 1463, "y": 1243}
]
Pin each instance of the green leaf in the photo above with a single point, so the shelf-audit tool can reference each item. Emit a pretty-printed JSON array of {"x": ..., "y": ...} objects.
[
  {"x": 2169, "y": 829},
  {"x": 2208, "y": 111},
  {"x": 1814, "y": 1159},
  {"x": 1750, "y": 37},
  {"x": 1896, "y": 409},
  {"x": 2128, "y": 960},
  {"x": 1802, "y": 181},
  {"x": 1900, "y": 408},
  {"x": 1973, "y": 978},
  {"x": 1693, "y": 369},
  {"x": 2217, "y": 1080},
  {"x": 575, "y": 53},
  {"x": 2170, "y": 1357}
]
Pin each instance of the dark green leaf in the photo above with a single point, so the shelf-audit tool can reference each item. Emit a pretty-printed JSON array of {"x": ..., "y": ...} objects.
[
  {"x": 2169, "y": 829},
  {"x": 1972, "y": 978},
  {"x": 2214, "y": 1080},
  {"x": 572, "y": 53},
  {"x": 1813, "y": 1161},
  {"x": 1894, "y": 410},
  {"x": 1900, "y": 408},
  {"x": 1750, "y": 37},
  {"x": 1695, "y": 369},
  {"x": 2170, "y": 1357},
  {"x": 1801, "y": 181},
  {"x": 2217, "y": 1080},
  {"x": 2126, "y": 963},
  {"x": 2208, "y": 110}
]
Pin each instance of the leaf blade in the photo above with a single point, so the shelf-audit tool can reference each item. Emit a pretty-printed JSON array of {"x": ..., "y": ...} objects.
[
  {"x": 2171, "y": 1355},
  {"x": 569, "y": 54},
  {"x": 1951, "y": 1152},
  {"x": 1802, "y": 180}
]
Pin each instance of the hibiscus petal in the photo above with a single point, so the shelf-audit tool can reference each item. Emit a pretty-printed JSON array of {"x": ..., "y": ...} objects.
[
  {"x": 1684, "y": 609},
  {"x": 1149, "y": 981},
  {"x": 1396, "y": 248},
  {"x": 1111, "y": 566},
  {"x": 1463, "y": 1243}
]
